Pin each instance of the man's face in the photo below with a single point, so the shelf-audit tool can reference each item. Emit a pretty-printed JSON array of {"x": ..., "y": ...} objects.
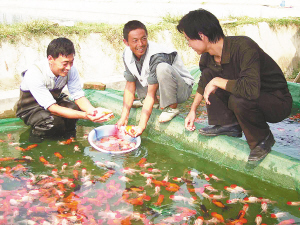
[
  {"x": 61, "y": 65},
  {"x": 198, "y": 46},
  {"x": 137, "y": 42}
]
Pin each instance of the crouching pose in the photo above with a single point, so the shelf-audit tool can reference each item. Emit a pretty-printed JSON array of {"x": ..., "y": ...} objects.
[
  {"x": 152, "y": 69},
  {"x": 43, "y": 106},
  {"x": 243, "y": 86}
]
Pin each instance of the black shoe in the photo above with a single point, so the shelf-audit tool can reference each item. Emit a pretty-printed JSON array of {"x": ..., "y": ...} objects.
[
  {"x": 262, "y": 149},
  {"x": 233, "y": 131}
]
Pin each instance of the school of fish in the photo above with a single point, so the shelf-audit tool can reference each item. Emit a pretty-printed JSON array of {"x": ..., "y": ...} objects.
[{"x": 69, "y": 194}]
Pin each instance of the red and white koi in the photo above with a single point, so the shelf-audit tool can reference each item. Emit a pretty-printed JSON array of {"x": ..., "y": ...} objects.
[
  {"x": 111, "y": 164},
  {"x": 199, "y": 221},
  {"x": 77, "y": 164},
  {"x": 264, "y": 207},
  {"x": 258, "y": 219},
  {"x": 145, "y": 165},
  {"x": 206, "y": 177},
  {"x": 76, "y": 148},
  {"x": 129, "y": 171},
  {"x": 144, "y": 174},
  {"x": 152, "y": 170},
  {"x": 210, "y": 188},
  {"x": 231, "y": 190},
  {"x": 125, "y": 179},
  {"x": 278, "y": 215},
  {"x": 215, "y": 177},
  {"x": 181, "y": 198},
  {"x": 238, "y": 188},
  {"x": 54, "y": 173},
  {"x": 157, "y": 190},
  {"x": 194, "y": 174},
  {"x": 63, "y": 167},
  {"x": 221, "y": 196},
  {"x": 149, "y": 181},
  {"x": 250, "y": 199},
  {"x": 293, "y": 203},
  {"x": 233, "y": 201}
]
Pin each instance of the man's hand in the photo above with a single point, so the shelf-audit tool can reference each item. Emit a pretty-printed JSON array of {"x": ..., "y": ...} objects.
[
  {"x": 134, "y": 131},
  {"x": 189, "y": 121},
  {"x": 122, "y": 122},
  {"x": 210, "y": 88},
  {"x": 100, "y": 115}
]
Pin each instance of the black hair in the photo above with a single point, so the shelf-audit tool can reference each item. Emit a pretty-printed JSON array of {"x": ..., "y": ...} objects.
[
  {"x": 60, "y": 46},
  {"x": 133, "y": 25},
  {"x": 201, "y": 21}
]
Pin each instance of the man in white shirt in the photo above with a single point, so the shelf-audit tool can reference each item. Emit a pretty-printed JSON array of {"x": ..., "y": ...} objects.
[
  {"x": 152, "y": 69},
  {"x": 43, "y": 106}
]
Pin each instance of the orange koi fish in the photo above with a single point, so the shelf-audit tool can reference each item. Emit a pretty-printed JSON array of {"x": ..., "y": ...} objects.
[
  {"x": 241, "y": 214},
  {"x": 107, "y": 175},
  {"x": 159, "y": 200},
  {"x": 1, "y": 141},
  {"x": 20, "y": 148},
  {"x": 237, "y": 221},
  {"x": 172, "y": 187},
  {"x": 219, "y": 204},
  {"x": 43, "y": 160},
  {"x": 19, "y": 167},
  {"x": 67, "y": 142},
  {"x": 6, "y": 159},
  {"x": 31, "y": 147},
  {"x": 142, "y": 161},
  {"x": 286, "y": 222},
  {"x": 75, "y": 173},
  {"x": 58, "y": 155},
  {"x": 219, "y": 217}
]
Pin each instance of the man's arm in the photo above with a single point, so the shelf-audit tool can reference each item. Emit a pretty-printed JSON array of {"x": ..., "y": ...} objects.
[
  {"x": 128, "y": 99},
  {"x": 65, "y": 112},
  {"x": 148, "y": 106},
  {"x": 190, "y": 119},
  {"x": 212, "y": 86}
]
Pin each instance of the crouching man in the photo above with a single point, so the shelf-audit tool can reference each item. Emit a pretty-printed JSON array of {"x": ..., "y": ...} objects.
[
  {"x": 43, "y": 106},
  {"x": 243, "y": 86}
]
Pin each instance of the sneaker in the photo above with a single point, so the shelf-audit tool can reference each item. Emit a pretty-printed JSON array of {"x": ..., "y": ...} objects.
[
  {"x": 140, "y": 102},
  {"x": 168, "y": 114}
]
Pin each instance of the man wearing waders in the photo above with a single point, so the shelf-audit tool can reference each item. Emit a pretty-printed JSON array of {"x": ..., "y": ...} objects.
[{"x": 43, "y": 106}]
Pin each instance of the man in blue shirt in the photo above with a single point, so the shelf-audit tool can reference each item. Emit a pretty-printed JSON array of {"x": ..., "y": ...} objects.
[{"x": 43, "y": 106}]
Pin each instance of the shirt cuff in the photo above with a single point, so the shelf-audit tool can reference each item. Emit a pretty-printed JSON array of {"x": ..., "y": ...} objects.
[{"x": 230, "y": 85}]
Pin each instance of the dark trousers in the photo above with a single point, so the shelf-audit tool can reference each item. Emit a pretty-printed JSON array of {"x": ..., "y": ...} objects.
[
  {"x": 252, "y": 115},
  {"x": 44, "y": 123}
]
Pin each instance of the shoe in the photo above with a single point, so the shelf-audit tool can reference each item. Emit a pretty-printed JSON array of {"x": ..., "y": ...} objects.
[
  {"x": 168, "y": 114},
  {"x": 233, "y": 131},
  {"x": 140, "y": 102},
  {"x": 262, "y": 149}
]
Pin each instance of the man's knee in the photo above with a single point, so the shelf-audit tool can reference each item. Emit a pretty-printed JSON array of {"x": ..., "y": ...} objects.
[
  {"x": 238, "y": 105},
  {"x": 163, "y": 70}
]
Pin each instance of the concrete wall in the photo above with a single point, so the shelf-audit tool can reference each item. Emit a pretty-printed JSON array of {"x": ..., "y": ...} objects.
[{"x": 97, "y": 60}]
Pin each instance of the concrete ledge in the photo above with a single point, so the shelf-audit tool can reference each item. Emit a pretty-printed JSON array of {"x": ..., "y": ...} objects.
[{"x": 276, "y": 168}]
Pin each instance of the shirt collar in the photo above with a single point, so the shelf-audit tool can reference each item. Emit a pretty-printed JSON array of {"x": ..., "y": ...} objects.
[{"x": 226, "y": 51}]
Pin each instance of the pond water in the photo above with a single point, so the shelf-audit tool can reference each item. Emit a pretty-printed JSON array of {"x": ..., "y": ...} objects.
[{"x": 101, "y": 189}]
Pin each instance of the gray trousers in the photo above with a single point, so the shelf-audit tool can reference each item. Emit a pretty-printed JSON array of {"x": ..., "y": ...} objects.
[{"x": 172, "y": 87}]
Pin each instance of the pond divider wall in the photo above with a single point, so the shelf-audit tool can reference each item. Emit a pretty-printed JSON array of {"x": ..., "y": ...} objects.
[{"x": 276, "y": 168}]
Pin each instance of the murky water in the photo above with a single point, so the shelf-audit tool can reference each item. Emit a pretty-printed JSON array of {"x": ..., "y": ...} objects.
[{"x": 33, "y": 191}]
